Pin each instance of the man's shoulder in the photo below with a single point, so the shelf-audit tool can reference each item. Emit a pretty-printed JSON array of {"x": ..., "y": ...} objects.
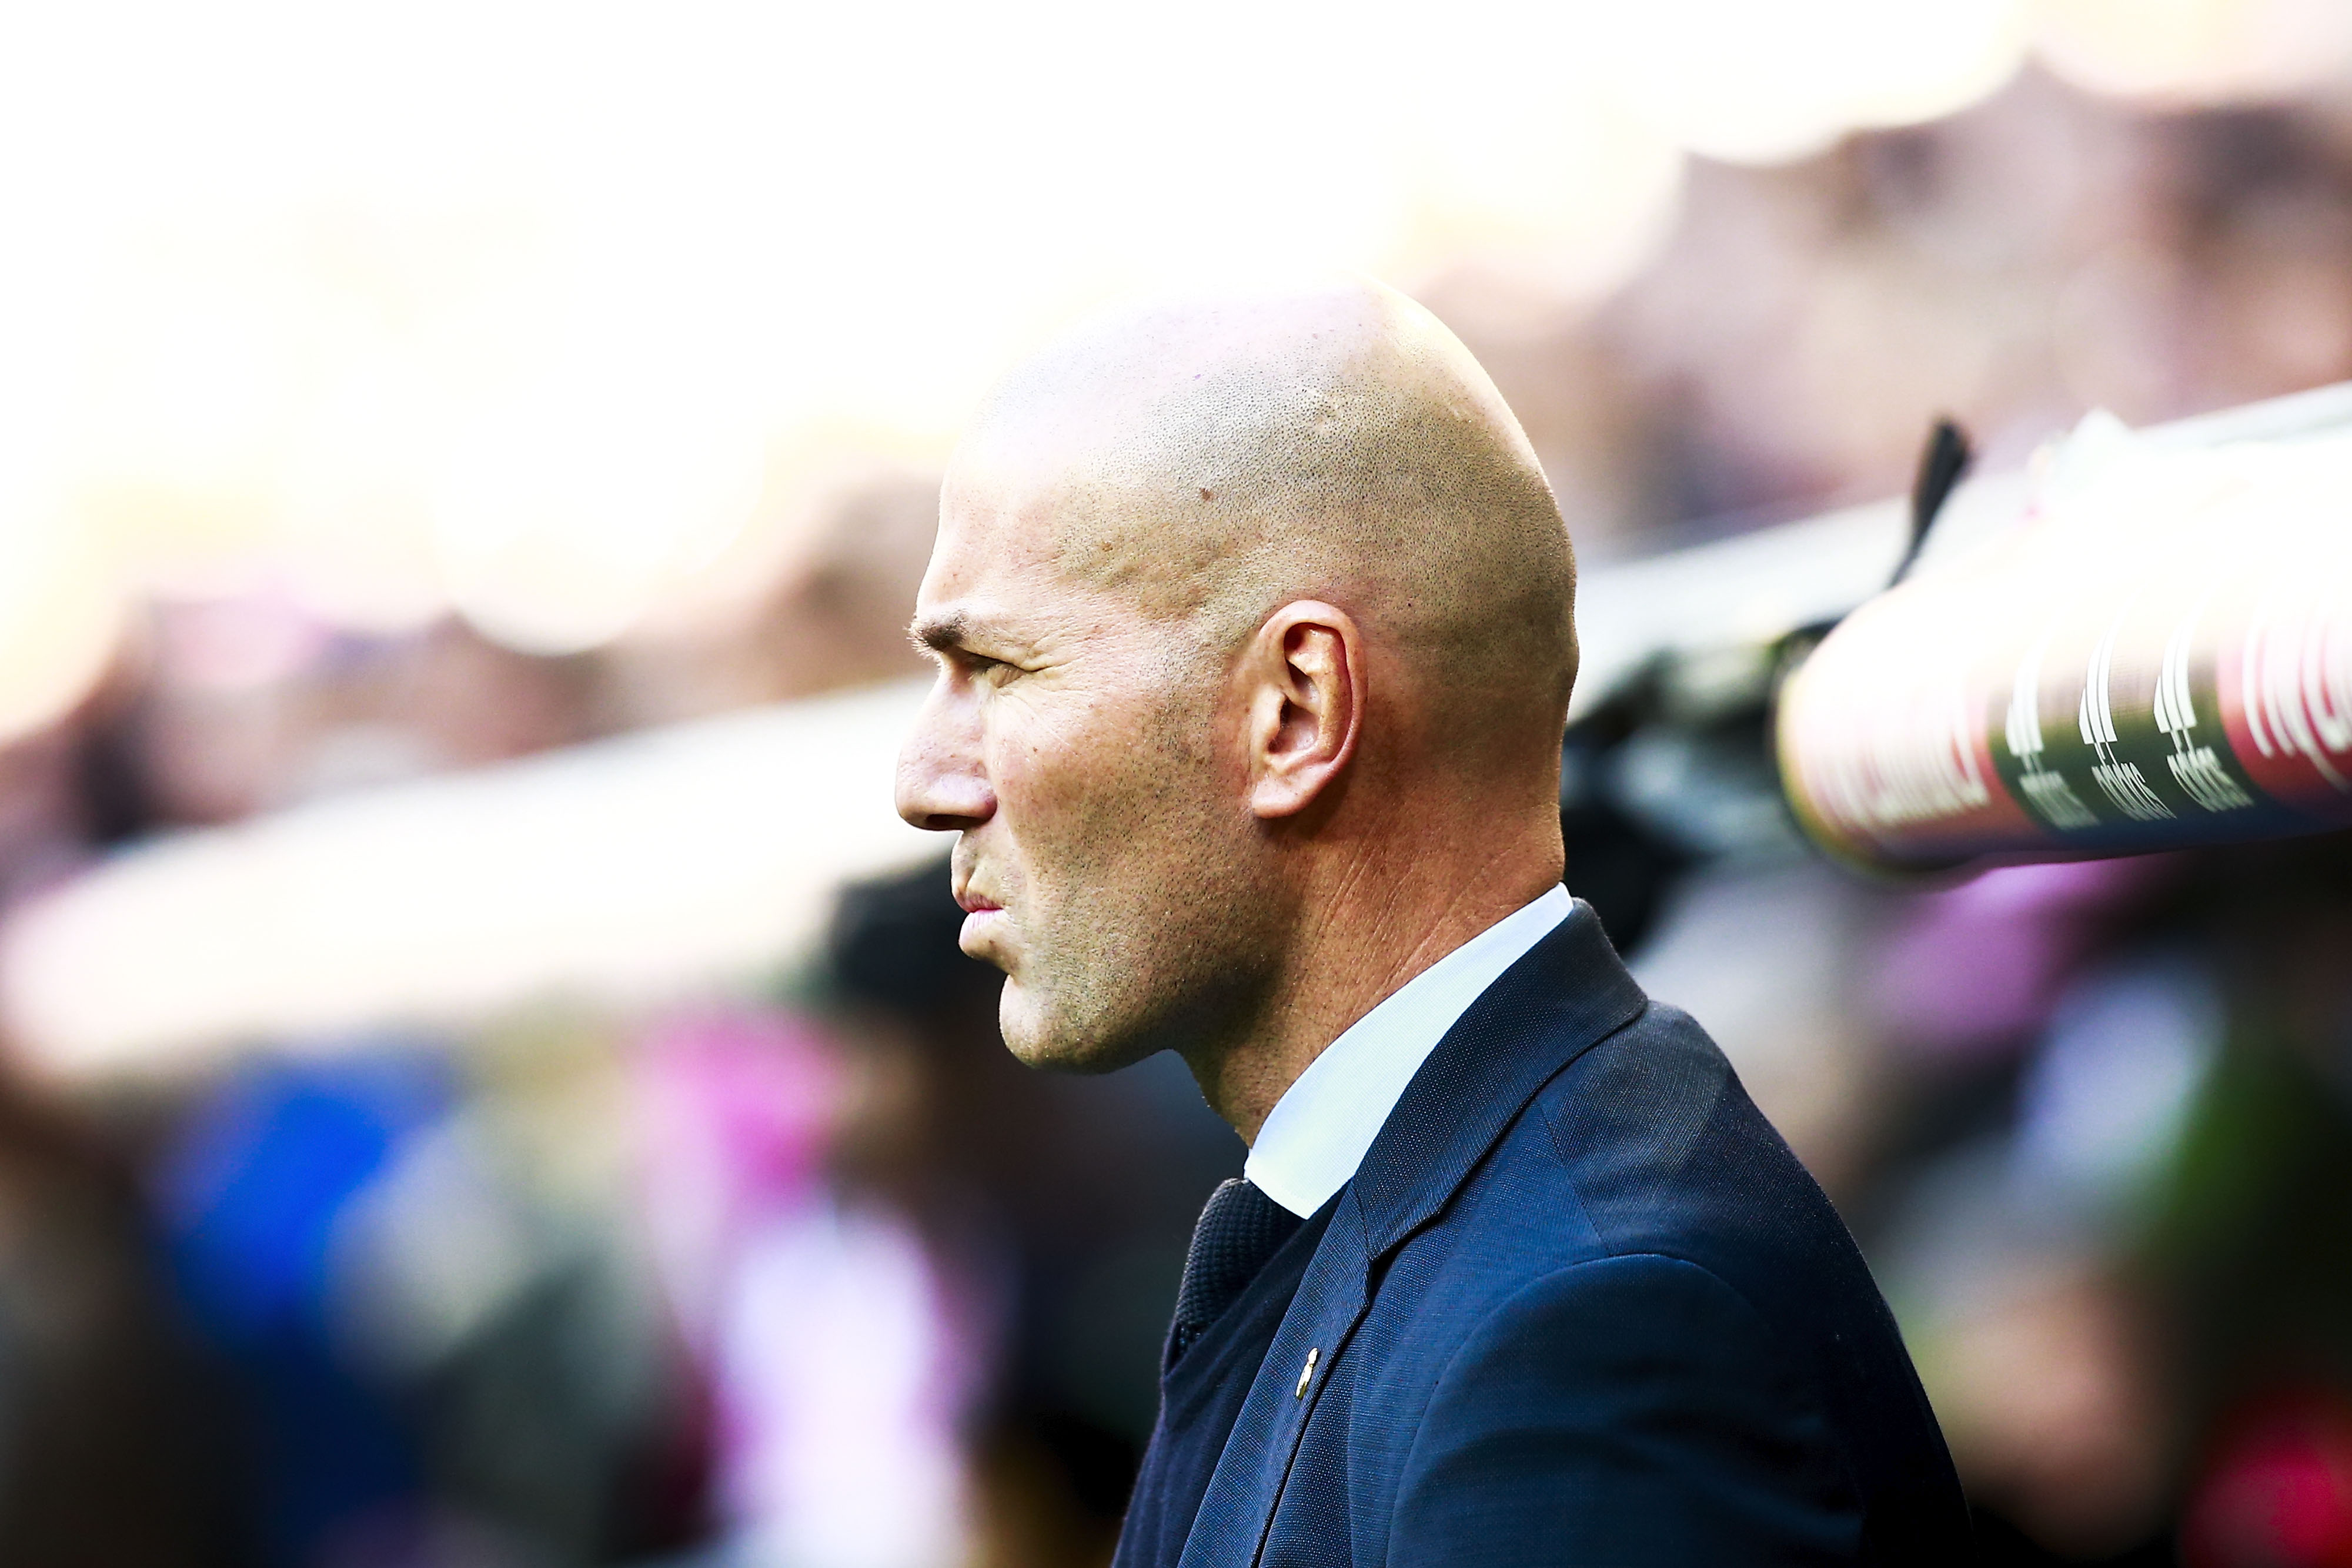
[
  {"x": 1640, "y": 1228},
  {"x": 1644, "y": 1148},
  {"x": 1646, "y": 1145},
  {"x": 1665, "y": 1152}
]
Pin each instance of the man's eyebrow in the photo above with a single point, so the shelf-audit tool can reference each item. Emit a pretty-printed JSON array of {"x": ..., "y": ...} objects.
[
  {"x": 941, "y": 632},
  {"x": 950, "y": 630}
]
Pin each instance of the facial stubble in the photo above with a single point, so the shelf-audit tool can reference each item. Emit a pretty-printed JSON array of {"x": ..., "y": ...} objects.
[{"x": 1156, "y": 921}]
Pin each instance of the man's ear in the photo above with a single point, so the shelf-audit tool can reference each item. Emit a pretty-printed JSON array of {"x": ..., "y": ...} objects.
[{"x": 1305, "y": 671}]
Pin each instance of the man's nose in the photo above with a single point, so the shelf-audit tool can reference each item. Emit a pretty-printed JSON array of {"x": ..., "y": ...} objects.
[{"x": 941, "y": 784}]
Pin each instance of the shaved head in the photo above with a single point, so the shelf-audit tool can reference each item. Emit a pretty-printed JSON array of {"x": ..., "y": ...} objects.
[
  {"x": 1211, "y": 459},
  {"x": 1255, "y": 621}
]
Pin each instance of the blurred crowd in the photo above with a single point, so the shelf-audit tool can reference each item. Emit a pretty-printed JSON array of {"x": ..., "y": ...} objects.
[{"x": 810, "y": 1272}]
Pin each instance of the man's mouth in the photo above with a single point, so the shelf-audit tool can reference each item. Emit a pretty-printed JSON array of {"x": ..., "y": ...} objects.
[{"x": 978, "y": 936}]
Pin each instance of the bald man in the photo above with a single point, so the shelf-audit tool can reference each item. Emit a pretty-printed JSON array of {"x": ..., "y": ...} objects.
[{"x": 1253, "y": 618}]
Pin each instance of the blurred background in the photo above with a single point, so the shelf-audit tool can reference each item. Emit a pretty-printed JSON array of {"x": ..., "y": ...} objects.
[{"x": 489, "y": 1082}]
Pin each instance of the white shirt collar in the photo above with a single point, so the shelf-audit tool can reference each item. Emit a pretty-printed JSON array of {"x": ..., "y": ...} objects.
[{"x": 1316, "y": 1133}]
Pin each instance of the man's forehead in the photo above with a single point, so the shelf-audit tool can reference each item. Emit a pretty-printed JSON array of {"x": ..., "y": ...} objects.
[
  {"x": 995, "y": 576},
  {"x": 987, "y": 542},
  {"x": 1017, "y": 515},
  {"x": 1020, "y": 471}
]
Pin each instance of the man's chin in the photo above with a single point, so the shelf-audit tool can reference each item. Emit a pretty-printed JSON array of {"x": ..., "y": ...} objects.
[{"x": 1050, "y": 1046}]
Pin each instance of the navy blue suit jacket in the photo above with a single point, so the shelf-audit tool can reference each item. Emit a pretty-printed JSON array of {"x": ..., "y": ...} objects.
[{"x": 1579, "y": 1306}]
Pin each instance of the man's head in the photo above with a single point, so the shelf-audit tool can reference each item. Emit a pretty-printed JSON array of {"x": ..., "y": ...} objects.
[{"x": 1243, "y": 607}]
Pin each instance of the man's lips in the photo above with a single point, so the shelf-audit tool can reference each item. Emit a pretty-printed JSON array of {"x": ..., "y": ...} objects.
[{"x": 975, "y": 938}]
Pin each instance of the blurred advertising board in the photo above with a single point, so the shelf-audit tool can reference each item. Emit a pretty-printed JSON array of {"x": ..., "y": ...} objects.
[{"x": 2158, "y": 653}]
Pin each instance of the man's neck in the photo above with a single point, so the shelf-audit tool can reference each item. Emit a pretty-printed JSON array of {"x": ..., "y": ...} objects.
[{"x": 1381, "y": 928}]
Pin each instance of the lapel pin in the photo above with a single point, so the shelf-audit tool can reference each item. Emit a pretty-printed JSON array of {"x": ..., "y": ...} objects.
[{"x": 1306, "y": 1373}]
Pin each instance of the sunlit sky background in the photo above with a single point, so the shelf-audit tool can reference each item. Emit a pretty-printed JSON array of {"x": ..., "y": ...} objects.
[{"x": 541, "y": 313}]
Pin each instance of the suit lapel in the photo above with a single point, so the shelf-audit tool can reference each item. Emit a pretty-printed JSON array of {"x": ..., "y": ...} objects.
[
  {"x": 1230, "y": 1528},
  {"x": 1566, "y": 994}
]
